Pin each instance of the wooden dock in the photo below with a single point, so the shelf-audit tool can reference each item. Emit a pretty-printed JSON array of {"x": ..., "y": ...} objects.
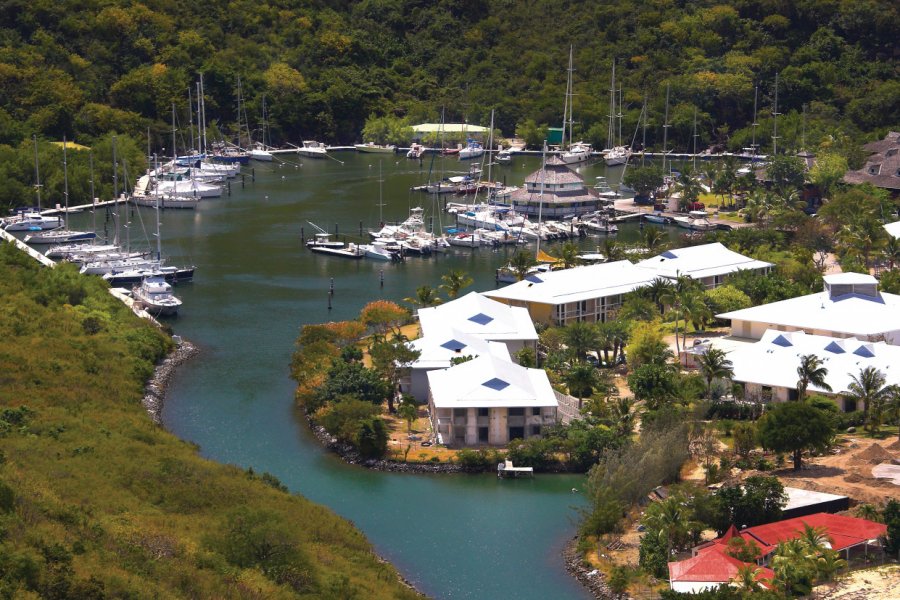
[
  {"x": 83, "y": 207},
  {"x": 506, "y": 469},
  {"x": 27, "y": 249}
]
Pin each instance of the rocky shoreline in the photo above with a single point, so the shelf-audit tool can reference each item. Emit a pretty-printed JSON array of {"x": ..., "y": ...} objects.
[
  {"x": 349, "y": 454},
  {"x": 155, "y": 390},
  {"x": 592, "y": 579}
]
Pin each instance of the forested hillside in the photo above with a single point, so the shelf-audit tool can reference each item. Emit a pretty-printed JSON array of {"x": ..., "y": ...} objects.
[
  {"x": 84, "y": 68},
  {"x": 98, "y": 502}
]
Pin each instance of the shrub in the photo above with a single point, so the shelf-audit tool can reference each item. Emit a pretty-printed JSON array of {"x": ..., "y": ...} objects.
[
  {"x": 372, "y": 437},
  {"x": 476, "y": 460}
]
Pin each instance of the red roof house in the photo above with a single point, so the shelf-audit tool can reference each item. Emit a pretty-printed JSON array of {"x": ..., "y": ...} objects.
[{"x": 710, "y": 570}]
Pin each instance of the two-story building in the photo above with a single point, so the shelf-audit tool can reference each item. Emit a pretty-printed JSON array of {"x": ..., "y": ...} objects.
[
  {"x": 710, "y": 264},
  {"x": 489, "y": 401}
]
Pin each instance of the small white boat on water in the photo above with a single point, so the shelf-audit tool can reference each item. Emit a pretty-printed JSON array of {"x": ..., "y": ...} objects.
[
  {"x": 349, "y": 251},
  {"x": 617, "y": 155},
  {"x": 378, "y": 250},
  {"x": 577, "y": 153},
  {"x": 696, "y": 220},
  {"x": 416, "y": 151},
  {"x": 504, "y": 157},
  {"x": 155, "y": 296},
  {"x": 58, "y": 236},
  {"x": 260, "y": 153},
  {"x": 32, "y": 221},
  {"x": 377, "y": 148},
  {"x": 656, "y": 218},
  {"x": 312, "y": 149},
  {"x": 323, "y": 240},
  {"x": 64, "y": 251},
  {"x": 149, "y": 201},
  {"x": 473, "y": 149},
  {"x": 188, "y": 187}
]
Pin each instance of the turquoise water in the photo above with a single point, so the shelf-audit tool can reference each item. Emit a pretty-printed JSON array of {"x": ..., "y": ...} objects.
[{"x": 456, "y": 536}]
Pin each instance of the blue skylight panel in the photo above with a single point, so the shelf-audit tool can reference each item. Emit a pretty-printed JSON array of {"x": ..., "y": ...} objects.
[
  {"x": 835, "y": 348},
  {"x": 454, "y": 345},
  {"x": 864, "y": 352},
  {"x": 481, "y": 319},
  {"x": 534, "y": 279},
  {"x": 495, "y": 384},
  {"x": 782, "y": 341}
]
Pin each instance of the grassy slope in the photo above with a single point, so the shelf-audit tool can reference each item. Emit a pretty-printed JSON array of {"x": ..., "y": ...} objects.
[{"x": 105, "y": 501}]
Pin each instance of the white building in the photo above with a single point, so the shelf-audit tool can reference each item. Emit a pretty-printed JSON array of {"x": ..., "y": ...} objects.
[
  {"x": 476, "y": 315},
  {"x": 489, "y": 401},
  {"x": 710, "y": 264},
  {"x": 850, "y": 306},
  {"x": 591, "y": 293},
  {"x": 893, "y": 229},
  {"x": 768, "y": 368},
  {"x": 438, "y": 349}
]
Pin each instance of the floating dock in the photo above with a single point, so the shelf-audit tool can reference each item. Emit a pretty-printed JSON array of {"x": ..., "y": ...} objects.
[{"x": 506, "y": 469}]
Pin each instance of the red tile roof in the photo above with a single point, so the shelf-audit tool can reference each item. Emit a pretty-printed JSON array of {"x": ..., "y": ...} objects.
[{"x": 714, "y": 567}]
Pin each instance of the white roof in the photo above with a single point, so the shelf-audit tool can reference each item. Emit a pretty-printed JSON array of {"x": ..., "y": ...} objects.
[
  {"x": 774, "y": 359},
  {"x": 490, "y": 382},
  {"x": 850, "y": 279},
  {"x": 476, "y": 315},
  {"x": 576, "y": 284},
  {"x": 799, "y": 497},
  {"x": 853, "y": 314},
  {"x": 893, "y": 229},
  {"x": 439, "y": 347},
  {"x": 707, "y": 260}
]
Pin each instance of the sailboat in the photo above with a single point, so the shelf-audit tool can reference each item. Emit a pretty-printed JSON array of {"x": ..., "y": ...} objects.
[
  {"x": 64, "y": 235},
  {"x": 579, "y": 151},
  {"x": 378, "y": 249},
  {"x": 33, "y": 220},
  {"x": 616, "y": 154},
  {"x": 259, "y": 151}
]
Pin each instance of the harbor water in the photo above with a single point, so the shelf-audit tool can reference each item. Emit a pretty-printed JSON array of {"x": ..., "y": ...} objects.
[{"x": 452, "y": 536}]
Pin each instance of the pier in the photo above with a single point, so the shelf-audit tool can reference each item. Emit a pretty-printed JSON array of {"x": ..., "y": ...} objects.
[
  {"x": 82, "y": 207},
  {"x": 506, "y": 469}
]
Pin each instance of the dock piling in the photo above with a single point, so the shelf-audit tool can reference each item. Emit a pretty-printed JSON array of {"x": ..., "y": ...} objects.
[{"x": 381, "y": 275}]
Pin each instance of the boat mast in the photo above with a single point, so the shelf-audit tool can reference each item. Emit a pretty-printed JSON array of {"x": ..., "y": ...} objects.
[
  {"x": 541, "y": 198},
  {"x": 93, "y": 198},
  {"x": 202, "y": 117},
  {"x": 694, "y": 160},
  {"x": 490, "y": 150},
  {"x": 644, "y": 134},
  {"x": 755, "y": 124},
  {"x": 158, "y": 237},
  {"x": 380, "y": 197},
  {"x": 611, "y": 130},
  {"x": 567, "y": 104},
  {"x": 666, "y": 130},
  {"x": 37, "y": 173},
  {"x": 775, "y": 119},
  {"x": 619, "y": 115},
  {"x": 190, "y": 120},
  {"x": 66, "y": 181},
  {"x": 116, "y": 191}
]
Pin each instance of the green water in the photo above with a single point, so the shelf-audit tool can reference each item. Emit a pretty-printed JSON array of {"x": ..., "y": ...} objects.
[{"x": 453, "y": 536}]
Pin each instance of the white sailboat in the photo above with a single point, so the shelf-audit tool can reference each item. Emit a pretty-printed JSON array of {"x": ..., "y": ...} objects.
[
  {"x": 616, "y": 154},
  {"x": 576, "y": 152},
  {"x": 63, "y": 235},
  {"x": 32, "y": 220}
]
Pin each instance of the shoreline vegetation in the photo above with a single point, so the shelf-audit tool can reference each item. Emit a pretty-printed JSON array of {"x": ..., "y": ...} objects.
[{"x": 97, "y": 500}]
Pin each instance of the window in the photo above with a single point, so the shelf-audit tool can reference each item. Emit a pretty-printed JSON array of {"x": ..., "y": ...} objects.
[
  {"x": 517, "y": 412},
  {"x": 459, "y": 412},
  {"x": 536, "y": 411},
  {"x": 482, "y": 412},
  {"x": 535, "y": 430},
  {"x": 766, "y": 393},
  {"x": 483, "y": 435}
]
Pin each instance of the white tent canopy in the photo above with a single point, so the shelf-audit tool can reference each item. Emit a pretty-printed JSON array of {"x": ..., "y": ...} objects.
[{"x": 448, "y": 128}]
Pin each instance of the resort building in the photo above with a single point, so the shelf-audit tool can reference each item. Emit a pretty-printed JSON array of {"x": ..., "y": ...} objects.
[
  {"x": 893, "y": 229},
  {"x": 590, "y": 293},
  {"x": 438, "y": 349},
  {"x": 489, "y": 401},
  {"x": 850, "y": 306},
  {"x": 711, "y": 566},
  {"x": 710, "y": 264},
  {"x": 555, "y": 191},
  {"x": 882, "y": 168},
  {"x": 768, "y": 368},
  {"x": 476, "y": 315}
]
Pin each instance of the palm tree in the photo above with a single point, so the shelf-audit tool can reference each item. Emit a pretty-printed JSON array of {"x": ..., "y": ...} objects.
[
  {"x": 653, "y": 238},
  {"x": 580, "y": 337},
  {"x": 892, "y": 407},
  {"x": 623, "y": 415},
  {"x": 521, "y": 262},
  {"x": 816, "y": 538},
  {"x": 454, "y": 281},
  {"x": 812, "y": 372},
  {"x": 714, "y": 364},
  {"x": 568, "y": 255},
  {"x": 694, "y": 309},
  {"x": 870, "y": 389},
  {"x": 613, "y": 250},
  {"x": 868, "y": 511},
  {"x": 828, "y": 563},
  {"x": 659, "y": 289},
  {"x": 425, "y": 297},
  {"x": 746, "y": 578},
  {"x": 892, "y": 251},
  {"x": 581, "y": 379}
]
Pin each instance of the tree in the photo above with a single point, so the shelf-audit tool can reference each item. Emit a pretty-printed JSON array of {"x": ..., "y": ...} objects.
[
  {"x": 643, "y": 180},
  {"x": 426, "y": 296},
  {"x": 521, "y": 262},
  {"x": 354, "y": 380},
  {"x": 892, "y": 407},
  {"x": 869, "y": 388},
  {"x": 569, "y": 255},
  {"x": 655, "y": 384},
  {"x": 647, "y": 345},
  {"x": 787, "y": 174},
  {"x": 811, "y": 371},
  {"x": 382, "y": 316},
  {"x": 408, "y": 411},
  {"x": 726, "y": 298},
  {"x": 454, "y": 281},
  {"x": 581, "y": 379},
  {"x": 795, "y": 427},
  {"x": 757, "y": 500},
  {"x": 827, "y": 172},
  {"x": 714, "y": 364},
  {"x": 391, "y": 358},
  {"x": 579, "y": 337}
]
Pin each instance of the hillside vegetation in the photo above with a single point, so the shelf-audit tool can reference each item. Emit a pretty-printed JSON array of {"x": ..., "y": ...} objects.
[
  {"x": 98, "y": 502},
  {"x": 89, "y": 67}
]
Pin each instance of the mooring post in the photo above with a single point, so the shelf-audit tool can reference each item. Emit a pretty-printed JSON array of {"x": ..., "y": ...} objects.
[
  {"x": 331, "y": 290},
  {"x": 302, "y": 235},
  {"x": 329, "y": 301},
  {"x": 360, "y": 229},
  {"x": 229, "y": 188},
  {"x": 243, "y": 180},
  {"x": 335, "y": 230},
  {"x": 253, "y": 174},
  {"x": 381, "y": 272}
]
